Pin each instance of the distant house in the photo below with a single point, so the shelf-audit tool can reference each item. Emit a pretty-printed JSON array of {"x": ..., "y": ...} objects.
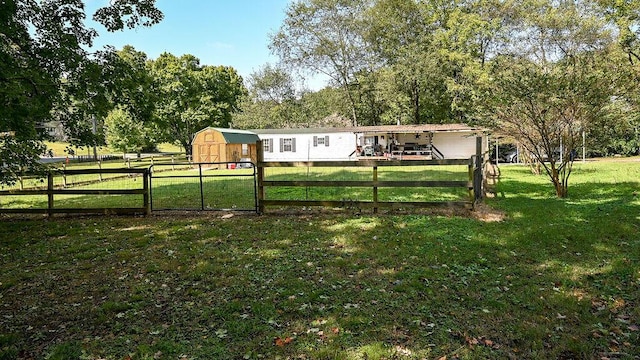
[
  {"x": 430, "y": 141},
  {"x": 215, "y": 145},
  {"x": 54, "y": 130}
]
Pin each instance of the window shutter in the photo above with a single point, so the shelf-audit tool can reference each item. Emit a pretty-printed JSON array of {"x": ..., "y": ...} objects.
[
  {"x": 270, "y": 145},
  {"x": 326, "y": 140},
  {"x": 315, "y": 141},
  {"x": 281, "y": 145},
  {"x": 293, "y": 145}
]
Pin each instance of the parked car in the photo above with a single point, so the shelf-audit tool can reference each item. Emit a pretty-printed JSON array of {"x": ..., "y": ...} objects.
[
  {"x": 506, "y": 154},
  {"x": 510, "y": 156}
]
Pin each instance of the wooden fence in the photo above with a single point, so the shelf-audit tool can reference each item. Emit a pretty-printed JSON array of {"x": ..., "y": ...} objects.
[
  {"x": 474, "y": 184},
  {"x": 51, "y": 191}
]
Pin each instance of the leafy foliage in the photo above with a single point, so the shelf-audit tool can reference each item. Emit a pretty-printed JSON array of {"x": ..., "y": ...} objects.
[
  {"x": 123, "y": 133},
  {"x": 46, "y": 71},
  {"x": 191, "y": 96}
]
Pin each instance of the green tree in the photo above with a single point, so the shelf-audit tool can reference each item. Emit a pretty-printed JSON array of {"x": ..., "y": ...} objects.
[
  {"x": 547, "y": 107},
  {"x": 325, "y": 37},
  {"x": 45, "y": 69},
  {"x": 124, "y": 133},
  {"x": 192, "y": 96},
  {"x": 271, "y": 102},
  {"x": 556, "y": 82}
]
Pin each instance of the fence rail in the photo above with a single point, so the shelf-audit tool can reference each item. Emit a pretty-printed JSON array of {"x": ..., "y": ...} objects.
[
  {"x": 197, "y": 186},
  {"x": 53, "y": 190},
  {"x": 473, "y": 184}
]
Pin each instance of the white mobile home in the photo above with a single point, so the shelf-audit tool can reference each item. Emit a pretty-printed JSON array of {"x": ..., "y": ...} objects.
[
  {"x": 322, "y": 144},
  {"x": 430, "y": 141}
]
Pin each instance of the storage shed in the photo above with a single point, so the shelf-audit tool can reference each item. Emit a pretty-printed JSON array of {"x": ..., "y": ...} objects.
[{"x": 217, "y": 145}]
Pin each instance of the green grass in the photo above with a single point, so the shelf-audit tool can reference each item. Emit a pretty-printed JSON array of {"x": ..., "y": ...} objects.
[
  {"x": 554, "y": 279},
  {"x": 234, "y": 189},
  {"x": 59, "y": 148}
]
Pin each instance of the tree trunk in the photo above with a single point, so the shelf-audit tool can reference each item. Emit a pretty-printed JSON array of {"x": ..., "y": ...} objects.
[
  {"x": 187, "y": 148},
  {"x": 558, "y": 184},
  {"x": 416, "y": 102}
]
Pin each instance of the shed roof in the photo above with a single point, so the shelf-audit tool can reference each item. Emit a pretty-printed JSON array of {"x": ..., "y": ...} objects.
[{"x": 234, "y": 136}]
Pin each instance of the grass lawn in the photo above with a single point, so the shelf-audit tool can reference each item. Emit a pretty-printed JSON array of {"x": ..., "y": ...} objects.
[
  {"x": 552, "y": 279},
  {"x": 60, "y": 148}
]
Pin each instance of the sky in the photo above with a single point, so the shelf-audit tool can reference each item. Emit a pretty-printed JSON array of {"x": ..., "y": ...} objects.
[{"x": 218, "y": 32}]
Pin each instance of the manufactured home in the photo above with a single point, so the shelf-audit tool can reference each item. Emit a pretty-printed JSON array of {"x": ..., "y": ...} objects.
[
  {"x": 430, "y": 141},
  {"x": 322, "y": 144}
]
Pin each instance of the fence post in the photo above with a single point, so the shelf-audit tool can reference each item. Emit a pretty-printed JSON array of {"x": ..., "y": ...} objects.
[
  {"x": 64, "y": 175},
  {"x": 146, "y": 196},
  {"x": 471, "y": 180},
  {"x": 260, "y": 164},
  {"x": 49, "y": 193},
  {"x": 201, "y": 188},
  {"x": 173, "y": 164},
  {"x": 375, "y": 189},
  {"x": 128, "y": 163},
  {"x": 477, "y": 182},
  {"x": 21, "y": 180}
]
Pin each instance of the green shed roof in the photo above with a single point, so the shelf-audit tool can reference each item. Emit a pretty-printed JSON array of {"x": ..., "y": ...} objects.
[{"x": 235, "y": 136}]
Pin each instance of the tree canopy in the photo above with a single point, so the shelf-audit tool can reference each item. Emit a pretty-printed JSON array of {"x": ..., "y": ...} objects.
[
  {"x": 544, "y": 71},
  {"x": 192, "y": 96},
  {"x": 46, "y": 71}
]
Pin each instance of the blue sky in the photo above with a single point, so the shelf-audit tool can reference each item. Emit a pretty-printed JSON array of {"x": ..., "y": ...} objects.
[{"x": 219, "y": 32}]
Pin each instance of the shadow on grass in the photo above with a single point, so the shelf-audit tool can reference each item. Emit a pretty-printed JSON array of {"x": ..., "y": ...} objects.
[{"x": 555, "y": 279}]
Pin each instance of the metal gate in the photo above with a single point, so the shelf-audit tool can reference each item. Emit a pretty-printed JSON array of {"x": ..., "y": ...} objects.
[{"x": 204, "y": 186}]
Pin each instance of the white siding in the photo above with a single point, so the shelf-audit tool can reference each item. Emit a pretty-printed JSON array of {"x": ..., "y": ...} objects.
[
  {"x": 455, "y": 145},
  {"x": 333, "y": 146}
]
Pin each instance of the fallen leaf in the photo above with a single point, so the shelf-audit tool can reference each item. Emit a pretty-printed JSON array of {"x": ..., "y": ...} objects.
[
  {"x": 282, "y": 342},
  {"x": 335, "y": 330},
  {"x": 633, "y": 328},
  {"x": 471, "y": 341}
]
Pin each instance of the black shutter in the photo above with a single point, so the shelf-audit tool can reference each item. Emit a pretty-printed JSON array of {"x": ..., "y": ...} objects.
[
  {"x": 315, "y": 141},
  {"x": 270, "y": 145},
  {"x": 293, "y": 145},
  {"x": 326, "y": 140},
  {"x": 281, "y": 145}
]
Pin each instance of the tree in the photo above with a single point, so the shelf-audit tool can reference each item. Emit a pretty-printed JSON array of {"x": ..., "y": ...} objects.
[
  {"x": 192, "y": 96},
  {"x": 124, "y": 133},
  {"x": 547, "y": 107},
  {"x": 555, "y": 84},
  {"x": 324, "y": 37},
  {"x": 271, "y": 102},
  {"x": 45, "y": 69}
]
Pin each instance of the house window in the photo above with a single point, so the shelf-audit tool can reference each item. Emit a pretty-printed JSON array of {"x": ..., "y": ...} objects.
[
  {"x": 245, "y": 149},
  {"x": 321, "y": 140},
  {"x": 267, "y": 145},
  {"x": 288, "y": 145}
]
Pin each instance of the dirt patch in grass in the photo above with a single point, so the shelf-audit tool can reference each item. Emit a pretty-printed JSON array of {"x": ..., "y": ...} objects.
[{"x": 486, "y": 213}]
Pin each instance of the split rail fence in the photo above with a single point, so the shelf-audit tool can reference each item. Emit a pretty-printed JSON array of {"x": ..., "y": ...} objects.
[
  {"x": 129, "y": 190},
  {"x": 56, "y": 189},
  {"x": 473, "y": 184}
]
